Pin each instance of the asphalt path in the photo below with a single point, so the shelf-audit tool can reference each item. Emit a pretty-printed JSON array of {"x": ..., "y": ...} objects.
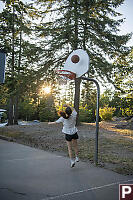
[{"x": 30, "y": 174}]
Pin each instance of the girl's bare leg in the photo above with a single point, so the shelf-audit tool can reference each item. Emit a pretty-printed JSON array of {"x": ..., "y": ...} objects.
[
  {"x": 75, "y": 145},
  {"x": 69, "y": 145}
]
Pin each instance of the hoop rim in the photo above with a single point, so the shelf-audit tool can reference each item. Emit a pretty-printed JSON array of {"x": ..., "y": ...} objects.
[{"x": 68, "y": 74}]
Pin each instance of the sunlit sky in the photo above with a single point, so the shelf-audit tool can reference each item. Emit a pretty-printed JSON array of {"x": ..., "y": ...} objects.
[{"x": 126, "y": 9}]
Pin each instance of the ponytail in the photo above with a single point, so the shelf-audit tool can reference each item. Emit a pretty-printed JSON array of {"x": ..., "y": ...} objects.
[
  {"x": 66, "y": 114},
  {"x": 63, "y": 114}
]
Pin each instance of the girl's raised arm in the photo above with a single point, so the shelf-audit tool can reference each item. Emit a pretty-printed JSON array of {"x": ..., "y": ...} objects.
[{"x": 51, "y": 122}]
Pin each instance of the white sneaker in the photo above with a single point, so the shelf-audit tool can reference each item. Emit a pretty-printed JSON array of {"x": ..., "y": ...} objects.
[
  {"x": 76, "y": 159},
  {"x": 72, "y": 163}
]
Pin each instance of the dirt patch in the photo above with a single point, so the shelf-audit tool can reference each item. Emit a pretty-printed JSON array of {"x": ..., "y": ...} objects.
[{"x": 115, "y": 144}]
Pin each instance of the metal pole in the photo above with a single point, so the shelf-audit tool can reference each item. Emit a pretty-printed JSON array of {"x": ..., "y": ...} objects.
[{"x": 97, "y": 116}]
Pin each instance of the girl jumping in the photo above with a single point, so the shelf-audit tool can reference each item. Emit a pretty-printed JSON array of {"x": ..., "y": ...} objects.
[{"x": 68, "y": 118}]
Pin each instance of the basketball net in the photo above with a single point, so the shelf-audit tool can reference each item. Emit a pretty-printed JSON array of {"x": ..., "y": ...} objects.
[{"x": 62, "y": 80}]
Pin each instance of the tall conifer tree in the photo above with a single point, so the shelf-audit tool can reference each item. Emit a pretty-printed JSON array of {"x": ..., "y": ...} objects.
[
  {"x": 22, "y": 53},
  {"x": 92, "y": 25}
]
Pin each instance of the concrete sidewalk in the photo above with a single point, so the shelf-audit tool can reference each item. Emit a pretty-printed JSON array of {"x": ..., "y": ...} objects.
[{"x": 31, "y": 174}]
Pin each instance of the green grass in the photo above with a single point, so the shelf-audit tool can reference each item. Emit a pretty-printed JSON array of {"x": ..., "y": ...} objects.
[{"x": 114, "y": 153}]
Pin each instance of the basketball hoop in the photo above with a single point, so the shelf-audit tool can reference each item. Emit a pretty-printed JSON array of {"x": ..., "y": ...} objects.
[
  {"x": 76, "y": 65},
  {"x": 66, "y": 74},
  {"x": 62, "y": 80}
]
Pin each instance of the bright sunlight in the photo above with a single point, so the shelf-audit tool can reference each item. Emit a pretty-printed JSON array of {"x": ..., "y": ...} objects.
[{"x": 47, "y": 90}]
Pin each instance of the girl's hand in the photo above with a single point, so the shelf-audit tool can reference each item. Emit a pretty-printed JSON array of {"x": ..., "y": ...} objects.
[{"x": 51, "y": 123}]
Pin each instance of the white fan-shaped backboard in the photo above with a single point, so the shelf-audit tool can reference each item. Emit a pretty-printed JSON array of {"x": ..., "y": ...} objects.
[{"x": 79, "y": 68}]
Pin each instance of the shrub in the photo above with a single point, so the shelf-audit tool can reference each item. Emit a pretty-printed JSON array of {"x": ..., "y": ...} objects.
[
  {"x": 3, "y": 117},
  {"x": 27, "y": 110},
  {"x": 106, "y": 113},
  {"x": 86, "y": 115},
  {"x": 127, "y": 112},
  {"x": 47, "y": 114}
]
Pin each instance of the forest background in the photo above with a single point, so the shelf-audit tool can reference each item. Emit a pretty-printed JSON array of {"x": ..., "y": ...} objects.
[{"x": 39, "y": 36}]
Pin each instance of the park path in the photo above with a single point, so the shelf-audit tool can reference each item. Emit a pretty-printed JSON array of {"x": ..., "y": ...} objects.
[{"x": 29, "y": 173}]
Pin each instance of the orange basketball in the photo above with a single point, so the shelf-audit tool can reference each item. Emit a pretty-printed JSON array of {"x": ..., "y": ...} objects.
[{"x": 75, "y": 59}]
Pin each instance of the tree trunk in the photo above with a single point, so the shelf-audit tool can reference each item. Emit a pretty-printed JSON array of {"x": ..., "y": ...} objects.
[
  {"x": 78, "y": 80},
  {"x": 16, "y": 98},
  {"x": 16, "y": 110},
  {"x": 77, "y": 98},
  {"x": 10, "y": 112},
  {"x": 17, "y": 93},
  {"x": 11, "y": 100}
]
